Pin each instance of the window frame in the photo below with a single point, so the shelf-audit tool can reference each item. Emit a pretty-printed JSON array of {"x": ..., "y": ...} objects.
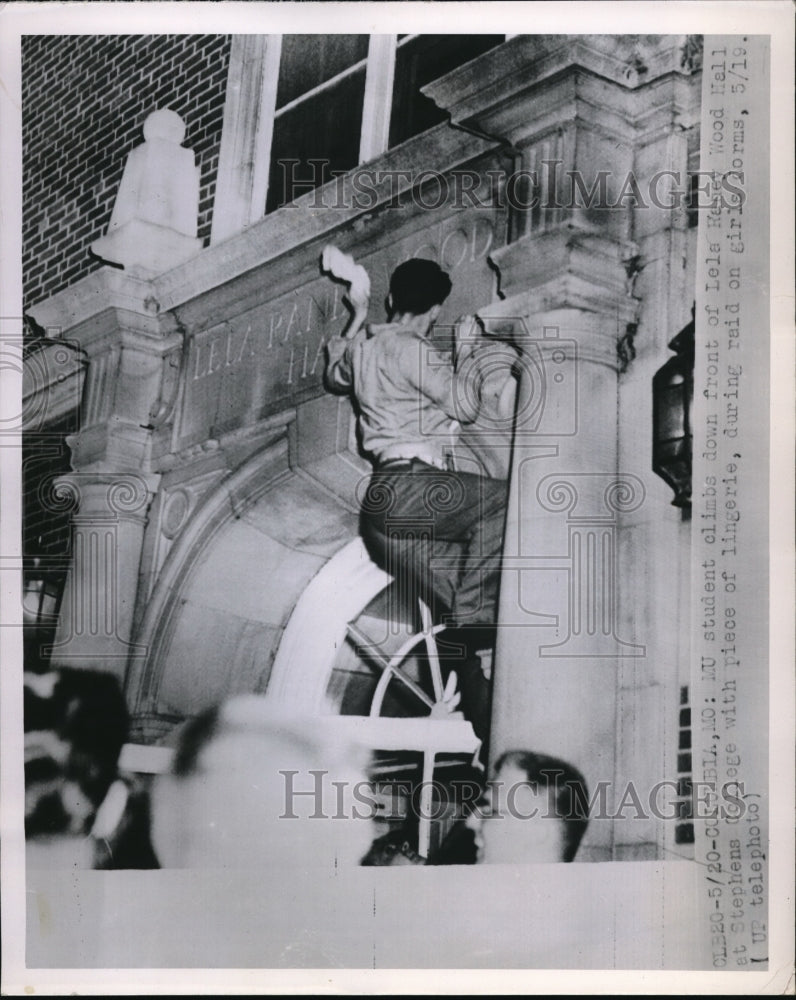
[
  {"x": 250, "y": 115},
  {"x": 379, "y": 66}
]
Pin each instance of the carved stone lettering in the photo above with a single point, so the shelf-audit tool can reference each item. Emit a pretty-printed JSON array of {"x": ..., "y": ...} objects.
[{"x": 271, "y": 356}]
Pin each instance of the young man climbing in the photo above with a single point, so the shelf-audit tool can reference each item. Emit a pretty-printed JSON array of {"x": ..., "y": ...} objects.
[{"x": 444, "y": 526}]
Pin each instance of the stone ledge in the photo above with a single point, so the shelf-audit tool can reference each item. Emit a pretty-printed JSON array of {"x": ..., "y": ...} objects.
[
  {"x": 145, "y": 248},
  {"x": 107, "y": 288},
  {"x": 297, "y": 225},
  {"x": 526, "y": 61},
  {"x": 536, "y": 260}
]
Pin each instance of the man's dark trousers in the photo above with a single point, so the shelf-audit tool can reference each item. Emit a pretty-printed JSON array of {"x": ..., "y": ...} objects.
[
  {"x": 450, "y": 525},
  {"x": 442, "y": 533}
]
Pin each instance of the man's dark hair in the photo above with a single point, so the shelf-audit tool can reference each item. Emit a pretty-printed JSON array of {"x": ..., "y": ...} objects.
[
  {"x": 194, "y": 736},
  {"x": 417, "y": 285},
  {"x": 566, "y": 787}
]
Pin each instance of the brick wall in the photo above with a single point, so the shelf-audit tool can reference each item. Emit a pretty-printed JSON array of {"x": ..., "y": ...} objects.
[{"x": 84, "y": 101}]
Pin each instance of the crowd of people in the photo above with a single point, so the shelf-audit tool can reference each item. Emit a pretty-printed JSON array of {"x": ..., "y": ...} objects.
[{"x": 251, "y": 787}]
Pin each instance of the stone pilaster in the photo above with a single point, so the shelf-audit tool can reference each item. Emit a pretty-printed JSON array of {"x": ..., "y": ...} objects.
[
  {"x": 654, "y": 557},
  {"x": 95, "y": 624},
  {"x": 561, "y": 635},
  {"x": 591, "y": 121},
  {"x": 133, "y": 361}
]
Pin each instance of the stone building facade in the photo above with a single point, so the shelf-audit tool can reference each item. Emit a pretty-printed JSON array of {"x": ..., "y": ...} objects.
[{"x": 213, "y": 483}]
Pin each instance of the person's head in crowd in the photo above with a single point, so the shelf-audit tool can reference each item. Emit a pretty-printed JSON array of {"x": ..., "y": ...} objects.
[
  {"x": 251, "y": 786},
  {"x": 79, "y": 810},
  {"x": 418, "y": 287},
  {"x": 75, "y": 725},
  {"x": 534, "y": 810}
]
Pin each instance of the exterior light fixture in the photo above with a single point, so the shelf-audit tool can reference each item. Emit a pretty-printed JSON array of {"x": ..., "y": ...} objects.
[
  {"x": 672, "y": 408},
  {"x": 41, "y": 598}
]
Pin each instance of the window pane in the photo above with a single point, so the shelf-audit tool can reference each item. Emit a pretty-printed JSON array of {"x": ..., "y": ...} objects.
[
  {"x": 308, "y": 60},
  {"x": 417, "y": 63},
  {"x": 324, "y": 128}
]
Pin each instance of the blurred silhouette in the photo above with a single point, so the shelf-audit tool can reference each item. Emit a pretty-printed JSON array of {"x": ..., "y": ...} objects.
[
  {"x": 253, "y": 787},
  {"x": 79, "y": 809}
]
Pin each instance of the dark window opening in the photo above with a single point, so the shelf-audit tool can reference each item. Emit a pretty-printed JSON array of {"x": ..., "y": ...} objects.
[
  {"x": 320, "y": 98},
  {"x": 694, "y": 181},
  {"x": 315, "y": 140},
  {"x": 46, "y": 541},
  {"x": 419, "y": 61},
  {"x": 310, "y": 60}
]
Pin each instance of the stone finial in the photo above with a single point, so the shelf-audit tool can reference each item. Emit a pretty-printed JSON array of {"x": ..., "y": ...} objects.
[
  {"x": 165, "y": 124},
  {"x": 153, "y": 223}
]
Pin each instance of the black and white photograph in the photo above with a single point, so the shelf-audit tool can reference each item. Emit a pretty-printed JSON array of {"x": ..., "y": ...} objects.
[{"x": 396, "y": 440}]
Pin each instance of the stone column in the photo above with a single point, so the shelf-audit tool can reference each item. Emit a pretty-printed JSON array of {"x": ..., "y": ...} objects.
[
  {"x": 134, "y": 355},
  {"x": 95, "y": 623},
  {"x": 590, "y": 119},
  {"x": 560, "y": 640}
]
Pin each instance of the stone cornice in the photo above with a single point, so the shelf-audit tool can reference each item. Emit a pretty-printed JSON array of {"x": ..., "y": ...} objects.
[
  {"x": 116, "y": 326},
  {"x": 106, "y": 288},
  {"x": 672, "y": 102},
  {"x": 536, "y": 260},
  {"x": 525, "y": 319},
  {"x": 569, "y": 100},
  {"x": 510, "y": 73},
  {"x": 573, "y": 279}
]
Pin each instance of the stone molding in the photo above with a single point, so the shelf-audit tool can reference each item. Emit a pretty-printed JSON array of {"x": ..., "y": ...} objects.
[
  {"x": 577, "y": 281},
  {"x": 102, "y": 496},
  {"x": 227, "y": 452},
  {"x": 488, "y": 94},
  {"x": 229, "y": 498},
  {"x": 317, "y": 214},
  {"x": 106, "y": 288}
]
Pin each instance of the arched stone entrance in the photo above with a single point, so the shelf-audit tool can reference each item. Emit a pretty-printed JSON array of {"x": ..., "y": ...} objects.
[
  {"x": 256, "y": 596},
  {"x": 228, "y": 588}
]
